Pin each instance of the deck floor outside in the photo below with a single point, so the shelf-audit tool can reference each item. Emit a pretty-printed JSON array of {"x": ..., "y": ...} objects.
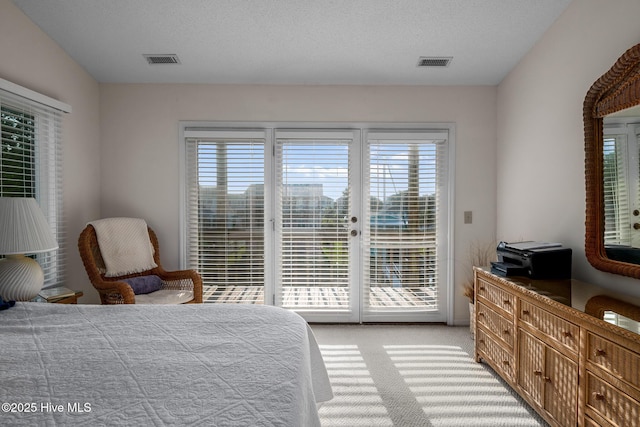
[{"x": 324, "y": 297}]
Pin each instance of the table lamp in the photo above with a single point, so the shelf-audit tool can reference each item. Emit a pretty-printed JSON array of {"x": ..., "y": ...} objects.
[{"x": 23, "y": 230}]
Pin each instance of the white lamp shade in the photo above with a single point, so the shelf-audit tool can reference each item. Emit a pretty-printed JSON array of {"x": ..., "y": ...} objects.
[
  {"x": 23, "y": 227},
  {"x": 23, "y": 230}
]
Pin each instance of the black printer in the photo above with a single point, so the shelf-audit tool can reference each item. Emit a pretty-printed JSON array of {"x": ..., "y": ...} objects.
[{"x": 537, "y": 260}]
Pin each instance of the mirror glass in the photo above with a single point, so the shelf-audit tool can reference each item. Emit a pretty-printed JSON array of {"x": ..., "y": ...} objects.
[
  {"x": 615, "y": 311},
  {"x": 621, "y": 185},
  {"x": 622, "y": 321}
]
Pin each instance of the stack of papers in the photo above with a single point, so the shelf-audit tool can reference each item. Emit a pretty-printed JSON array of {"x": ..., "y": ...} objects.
[{"x": 527, "y": 246}]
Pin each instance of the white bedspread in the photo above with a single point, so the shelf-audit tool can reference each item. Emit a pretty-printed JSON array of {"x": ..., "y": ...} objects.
[{"x": 196, "y": 364}]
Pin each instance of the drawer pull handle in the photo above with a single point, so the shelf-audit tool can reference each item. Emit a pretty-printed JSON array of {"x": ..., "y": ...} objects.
[
  {"x": 505, "y": 362},
  {"x": 482, "y": 288},
  {"x": 506, "y": 332},
  {"x": 598, "y": 396},
  {"x": 567, "y": 334},
  {"x": 506, "y": 302},
  {"x": 600, "y": 352},
  {"x": 537, "y": 373},
  {"x": 481, "y": 314},
  {"x": 547, "y": 380},
  {"x": 525, "y": 312},
  {"x": 481, "y": 341}
]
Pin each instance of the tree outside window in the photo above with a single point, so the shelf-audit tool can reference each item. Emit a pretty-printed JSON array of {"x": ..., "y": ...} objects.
[{"x": 17, "y": 157}]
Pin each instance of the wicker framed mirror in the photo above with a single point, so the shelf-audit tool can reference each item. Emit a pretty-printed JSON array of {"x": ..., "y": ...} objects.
[{"x": 617, "y": 90}]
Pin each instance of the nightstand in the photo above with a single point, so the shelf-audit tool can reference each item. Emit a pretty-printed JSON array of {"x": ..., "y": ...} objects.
[{"x": 58, "y": 295}]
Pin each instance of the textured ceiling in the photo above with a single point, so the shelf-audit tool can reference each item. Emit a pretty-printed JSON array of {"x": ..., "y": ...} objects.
[{"x": 296, "y": 41}]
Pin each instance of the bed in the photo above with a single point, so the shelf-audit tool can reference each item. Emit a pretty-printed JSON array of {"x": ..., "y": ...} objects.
[{"x": 193, "y": 364}]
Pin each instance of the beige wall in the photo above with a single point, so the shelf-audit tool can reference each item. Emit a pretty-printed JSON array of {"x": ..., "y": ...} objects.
[
  {"x": 31, "y": 59},
  {"x": 540, "y": 148},
  {"x": 139, "y": 143}
]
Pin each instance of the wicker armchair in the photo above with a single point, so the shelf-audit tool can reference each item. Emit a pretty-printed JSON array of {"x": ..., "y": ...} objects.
[{"x": 113, "y": 291}]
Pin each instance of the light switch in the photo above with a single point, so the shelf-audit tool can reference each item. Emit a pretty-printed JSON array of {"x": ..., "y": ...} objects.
[{"x": 468, "y": 217}]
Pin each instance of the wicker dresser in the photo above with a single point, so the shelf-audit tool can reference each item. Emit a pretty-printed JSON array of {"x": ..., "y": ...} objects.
[{"x": 573, "y": 368}]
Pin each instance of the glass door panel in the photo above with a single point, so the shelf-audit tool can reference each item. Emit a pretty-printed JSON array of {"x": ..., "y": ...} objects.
[
  {"x": 402, "y": 272},
  {"x": 226, "y": 217},
  {"x": 315, "y": 219}
]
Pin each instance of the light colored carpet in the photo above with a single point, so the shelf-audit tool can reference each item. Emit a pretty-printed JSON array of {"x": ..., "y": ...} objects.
[{"x": 413, "y": 375}]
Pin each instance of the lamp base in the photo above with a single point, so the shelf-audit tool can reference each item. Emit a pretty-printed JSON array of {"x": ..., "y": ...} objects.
[{"x": 21, "y": 278}]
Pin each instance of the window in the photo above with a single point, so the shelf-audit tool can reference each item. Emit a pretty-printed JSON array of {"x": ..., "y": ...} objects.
[
  {"x": 621, "y": 169},
  {"x": 408, "y": 215},
  {"x": 314, "y": 206},
  {"x": 225, "y": 213},
  {"x": 616, "y": 192},
  {"x": 17, "y": 170},
  {"x": 30, "y": 154}
]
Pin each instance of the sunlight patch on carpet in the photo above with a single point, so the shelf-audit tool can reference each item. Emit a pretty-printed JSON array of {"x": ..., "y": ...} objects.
[
  {"x": 454, "y": 390},
  {"x": 356, "y": 401}
]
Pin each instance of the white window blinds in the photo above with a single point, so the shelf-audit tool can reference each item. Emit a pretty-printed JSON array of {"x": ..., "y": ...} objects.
[
  {"x": 407, "y": 183},
  {"x": 30, "y": 163},
  {"x": 312, "y": 216},
  {"x": 616, "y": 191},
  {"x": 225, "y": 213}
]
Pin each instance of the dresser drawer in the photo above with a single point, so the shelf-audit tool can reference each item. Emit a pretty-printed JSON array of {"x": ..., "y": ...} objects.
[
  {"x": 549, "y": 324},
  {"x": 614, "y": 359},
  {"x": 610, "y": 403},
  {"x": 497, "y": 324},
  {"x": 501, "y": 359},
  {"x": 495, "y": 295}
]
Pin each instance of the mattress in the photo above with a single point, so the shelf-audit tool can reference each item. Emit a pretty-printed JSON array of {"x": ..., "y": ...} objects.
[{"x": 195, "y": 364}]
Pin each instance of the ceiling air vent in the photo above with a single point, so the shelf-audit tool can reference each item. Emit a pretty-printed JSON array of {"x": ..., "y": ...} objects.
[
  {"x": 434, "y": 61},
  {"x": 162, "y": 59}
]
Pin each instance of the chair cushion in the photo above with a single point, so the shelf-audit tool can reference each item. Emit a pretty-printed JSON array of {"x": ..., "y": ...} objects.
[
  {"x": 165, "y": 296},
  {"x": 144, "y": 284}
]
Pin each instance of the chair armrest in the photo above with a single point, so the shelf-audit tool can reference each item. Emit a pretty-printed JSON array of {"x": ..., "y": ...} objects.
[
  {"x": 183, "y": 279},
  {"x": 113, "y": 292}
]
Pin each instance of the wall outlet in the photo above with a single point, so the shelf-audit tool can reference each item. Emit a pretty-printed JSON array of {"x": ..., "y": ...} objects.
[{"x": 468, "y": 217}]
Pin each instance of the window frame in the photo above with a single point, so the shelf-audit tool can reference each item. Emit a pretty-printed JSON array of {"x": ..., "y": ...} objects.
[
  {"x": 47, "y": 132},
  {"x": 441, "y": 139}
]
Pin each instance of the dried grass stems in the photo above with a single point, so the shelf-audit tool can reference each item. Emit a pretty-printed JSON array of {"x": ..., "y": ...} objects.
[{"x": 479, "y": 254}]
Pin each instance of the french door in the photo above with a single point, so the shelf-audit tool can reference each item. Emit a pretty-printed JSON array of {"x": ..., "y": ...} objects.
[
  {"x": 318, "y": 223},
  {"x": 340, "y": 225},
  {"x": 406, "y": 232},
  {"x": 360, "y": 220}
]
